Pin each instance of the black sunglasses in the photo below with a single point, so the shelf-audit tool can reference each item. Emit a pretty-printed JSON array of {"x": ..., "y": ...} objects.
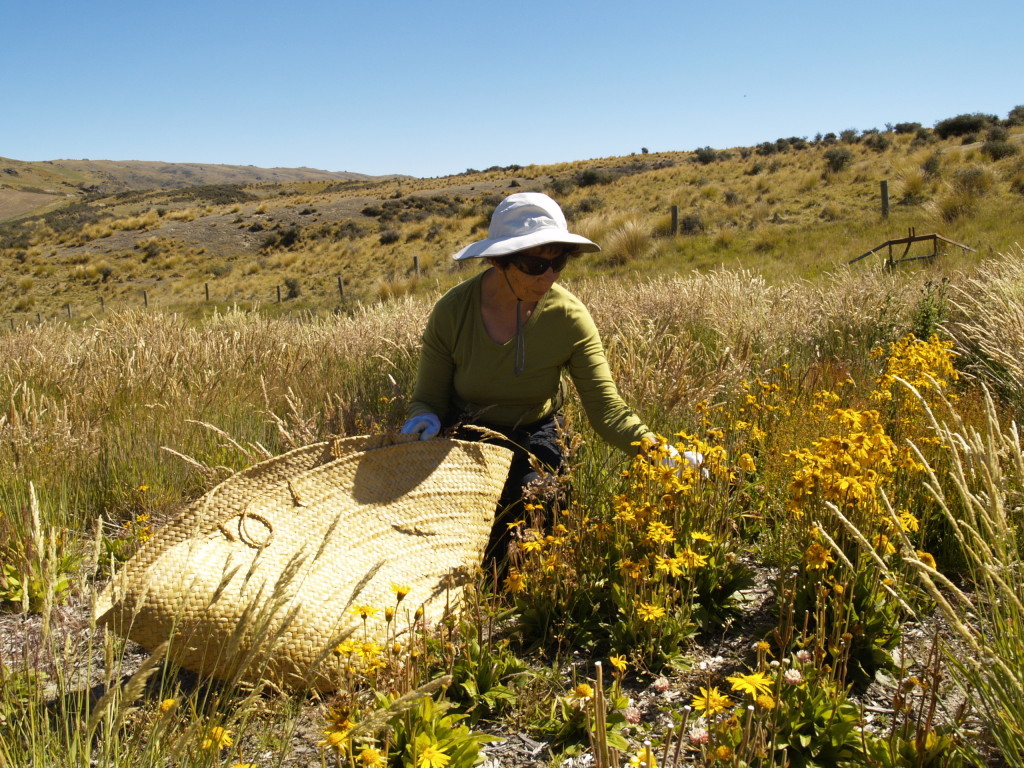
[{"x": 538, "y": 265}]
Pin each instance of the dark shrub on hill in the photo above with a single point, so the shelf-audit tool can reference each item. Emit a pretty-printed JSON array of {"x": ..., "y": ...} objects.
[
  {"x": 964, "y": 125},
  {"x": 389, "y": 236},
  {"x": 705, "y": 155},
  {"x": 907, "y": 127},
  {"x": 997, "y": 150},
  {"x": 592, "y": 176},
  {"x": 837, "y": 158},
  {"x": 877, "y": 141}
]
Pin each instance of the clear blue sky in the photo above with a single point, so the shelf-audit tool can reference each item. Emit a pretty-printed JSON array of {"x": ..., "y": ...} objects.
[{"x": 434, "y": 88}]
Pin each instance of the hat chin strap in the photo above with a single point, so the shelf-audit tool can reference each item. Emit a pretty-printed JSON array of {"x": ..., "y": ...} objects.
[{"x": 520, "y": 362}]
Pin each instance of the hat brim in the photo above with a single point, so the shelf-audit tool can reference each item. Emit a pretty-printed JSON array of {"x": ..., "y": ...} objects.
[{"x": 505, "y": 246}]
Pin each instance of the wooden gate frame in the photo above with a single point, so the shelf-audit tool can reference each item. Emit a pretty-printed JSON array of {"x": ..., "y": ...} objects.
[{"x": 910, "y": 239}]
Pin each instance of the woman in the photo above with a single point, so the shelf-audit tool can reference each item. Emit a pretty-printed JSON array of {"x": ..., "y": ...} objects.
[{"x": 496, "y": 346}]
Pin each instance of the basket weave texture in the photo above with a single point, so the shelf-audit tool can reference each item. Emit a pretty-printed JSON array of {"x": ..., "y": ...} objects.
[{"x": 258, "y": 579}]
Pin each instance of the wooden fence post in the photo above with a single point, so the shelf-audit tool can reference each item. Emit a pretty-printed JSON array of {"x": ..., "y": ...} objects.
[
  {"x": 102, "y": 304},
  {"x": 885, "y": 199},
  {"x": 416, "y": 265},
  {"x": 279, "y": 294},
  {"x": 206, "y": 286},
  {"x": 145, "y": 297},
  {"x": 675, "y": 219},
  {"x": 68, "y": 308},
  {"x": 341, "y": 288}
]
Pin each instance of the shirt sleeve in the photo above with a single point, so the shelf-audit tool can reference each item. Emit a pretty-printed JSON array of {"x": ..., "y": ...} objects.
[
  {"x": 436, "y": 368},
  {"x": 606, "y": 411}
]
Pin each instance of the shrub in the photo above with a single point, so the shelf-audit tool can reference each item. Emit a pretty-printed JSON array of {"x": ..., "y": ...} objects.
[
  {"x": 849, "y": 136},
  {"x": 592, "y": 176},
  {"x": 907, "y": 127},
  {"x": 837, "y": 158},
  {"x": 389, "y": 236},
  {"x": 1016, "y": 116},
  {"x": 963, "y": 125},
  {"x": 973, "y": 180},
  {"x": 877, "y": 141},
  {"x": 691, "y": 224},
  {"x": 292, "y": 288},
  {"x": 932, "y": 165},
  {"x": 997, "y": 150},
  {"x": 705, "y": 155}
]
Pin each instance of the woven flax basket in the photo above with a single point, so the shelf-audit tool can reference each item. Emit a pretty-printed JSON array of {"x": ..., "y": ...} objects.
[{"x": 258, "y": 578}]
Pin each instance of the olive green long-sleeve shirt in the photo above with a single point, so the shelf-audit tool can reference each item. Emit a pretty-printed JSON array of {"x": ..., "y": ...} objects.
[{"x": 464, "y": 373}]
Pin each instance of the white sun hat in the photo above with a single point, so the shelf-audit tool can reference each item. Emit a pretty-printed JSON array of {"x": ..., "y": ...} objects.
[{"x": 525, "y": 220}]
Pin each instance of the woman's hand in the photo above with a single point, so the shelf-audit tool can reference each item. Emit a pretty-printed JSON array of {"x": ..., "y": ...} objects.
[{"x": 426, "y": 425}]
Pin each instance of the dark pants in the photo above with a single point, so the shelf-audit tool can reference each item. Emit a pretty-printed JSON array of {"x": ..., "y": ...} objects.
[{"x": 543, "y": 441}]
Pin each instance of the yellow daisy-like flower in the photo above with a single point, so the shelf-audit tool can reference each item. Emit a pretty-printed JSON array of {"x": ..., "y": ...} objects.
[
  {"x": 764, "y": 701},
  {"x": 659, "y": 533},
  {"x": 723, "y": 753},
  {"x": 216, "y": 738},
  {"x": 817, "y": 557},
  {"x": 690, "y": 559},
  {"x": 370, "y": 758},
  {"x": 515, "y": 582},
  {"x": 619, "y": 662},
  {"x": 432, "y": 756},
  {"x": 755, "y": 684},
  {"x": 711, "y": 701},
  {"x": 582, "y": 692},
  {"x": 643, "y": 757},
  {"x": 926, "y": 558},
  {"x": 401, "y": 591},
  {"x": 670, "y": 565},
  {"x": 650, "y": 612},
  {"x": 167, "y": 705},
  {"x": 746, "y": 462},
  {"x": 701, "y": 536},
  {"x": 364, "y": 611},
  {"x": 336, "y": 740}
]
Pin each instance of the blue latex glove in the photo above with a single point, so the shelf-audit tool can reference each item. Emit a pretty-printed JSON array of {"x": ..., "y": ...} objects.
[{"x": 426, "y": 425}]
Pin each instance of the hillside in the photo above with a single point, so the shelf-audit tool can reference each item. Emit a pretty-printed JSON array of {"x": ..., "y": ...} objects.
[
  {"x": 27, "y": 187},
  {"x": 182, "y": 237}
]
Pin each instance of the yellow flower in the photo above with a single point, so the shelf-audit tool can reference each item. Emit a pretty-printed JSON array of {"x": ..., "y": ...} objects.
[
  {"x": 619, "y": 662},
  {"x": 711, "y": 701},
  {"x": 432, "y": 757},
  {"x": 723, "y": 753},
  {"x": 908, "y": 522},
  {"x": 926, "y": 558},
  {"x": 817, "y": 557},
  {"x": 650, "y": 612},
  {"x": 755, "y": 683},
  {"x": 168, "y": 704},
  {"x": 364, "y": 611},
  {"x": 643, "y": 757},
  {"x": 216, "y": 738},
  {"x": 670, "y": 565},
  {"x": 701, "y": 536},
  {"x": 690, "y": 559},
  {"x": 370, "y": 758},
  {"x": 764, "y": 701},
  {"x": 515, "y": 582},
  {"x": 582, "y": 692},
  {"x": 659, "y": 533},
  {"x": 401, "y": 591},
  {"x": 336, "y": 740},
  {"x": 746, "y": 462}
]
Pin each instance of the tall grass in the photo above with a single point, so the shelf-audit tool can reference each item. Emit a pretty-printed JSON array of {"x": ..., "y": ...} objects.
[{"x": 109, "y": 427}]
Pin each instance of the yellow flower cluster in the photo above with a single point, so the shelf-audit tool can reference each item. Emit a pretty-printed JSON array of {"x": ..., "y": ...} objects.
[{"x": 925, "y": 365}]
